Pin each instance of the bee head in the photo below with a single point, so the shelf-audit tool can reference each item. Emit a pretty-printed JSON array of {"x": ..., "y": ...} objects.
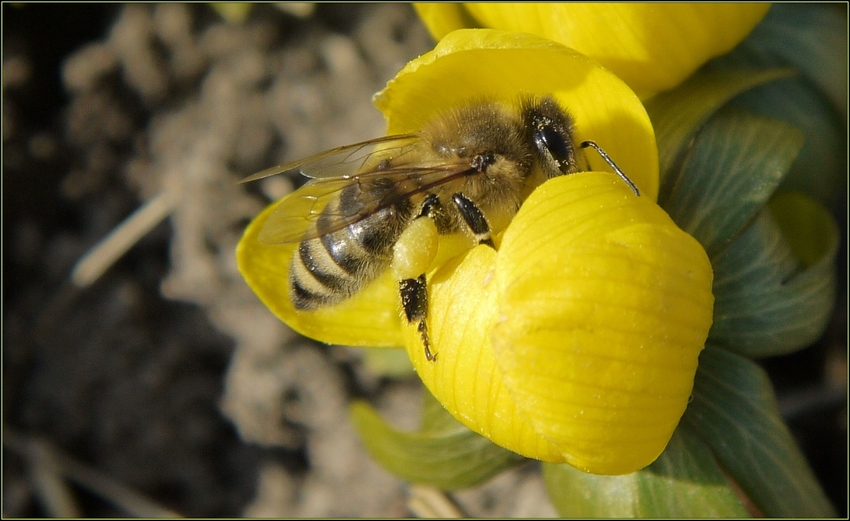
[{"x": 550, "y": 129}]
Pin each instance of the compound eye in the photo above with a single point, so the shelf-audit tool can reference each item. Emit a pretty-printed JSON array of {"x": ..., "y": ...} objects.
[{"x": 547, "y": 139}]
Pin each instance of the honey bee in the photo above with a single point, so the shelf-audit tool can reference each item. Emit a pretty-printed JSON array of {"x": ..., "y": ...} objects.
[{"x": 468, "y": 170}]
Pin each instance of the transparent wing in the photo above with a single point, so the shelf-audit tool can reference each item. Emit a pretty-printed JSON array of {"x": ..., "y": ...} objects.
[
  {"x": 296, "y": 216},
  {"x": 348, "y": 160}
]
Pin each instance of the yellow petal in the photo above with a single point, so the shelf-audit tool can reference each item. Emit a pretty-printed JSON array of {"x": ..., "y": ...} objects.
[
  {"x": 480, "y": 63},
  {"x": 652, "y": 46},
  {"x": 441, "y": 18},
  {"x": 578, "y": 341}
]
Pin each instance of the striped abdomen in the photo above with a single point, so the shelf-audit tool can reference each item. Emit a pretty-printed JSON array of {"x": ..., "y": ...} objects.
[{"x": 336, "y": 265}]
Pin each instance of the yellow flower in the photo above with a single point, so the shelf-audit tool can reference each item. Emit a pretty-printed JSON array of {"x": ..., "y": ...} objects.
[
  {"x": 652, "y": 47},
  {"x": 576, "y": 340}
]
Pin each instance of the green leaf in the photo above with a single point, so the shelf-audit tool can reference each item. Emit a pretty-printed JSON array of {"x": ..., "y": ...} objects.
[
  {"x": 820, "y": 169},
  {"x": 810, "y": 37},
  {"x": 809, "y": 228},
  {"x": 391, "y": 363},
  {"x": 736, "y": 163},
  {"x": 443, "y": 453},
  {"x": 436, "y": 419},
  {"x": 683, "y": 482},
  {"x": 735, "y": 412},
  {"x": 774, "y": 286},
  {"x": 678, "y": 114}
]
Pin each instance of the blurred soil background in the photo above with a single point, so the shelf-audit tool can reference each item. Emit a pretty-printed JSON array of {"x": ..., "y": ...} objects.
[{"x": 160, "y": 385}]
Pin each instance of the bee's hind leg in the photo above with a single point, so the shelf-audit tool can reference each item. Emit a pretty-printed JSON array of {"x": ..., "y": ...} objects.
[
  {"x": 415, "y": 250},
  {"x": 413, "y": 253},
  {"x": 414, "y": 301}
]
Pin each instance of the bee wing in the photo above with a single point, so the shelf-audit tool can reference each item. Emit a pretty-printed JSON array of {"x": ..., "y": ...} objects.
[
  {"x": 345, "y": 161},
  {"x": 295, "y": 217}
]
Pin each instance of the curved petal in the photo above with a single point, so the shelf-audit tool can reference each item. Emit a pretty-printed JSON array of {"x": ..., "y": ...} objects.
[
  {"x": 480, "y": 63},
  {"x": 652, "y": 47},
  {"x": 441, "y": 18},
  {"x": 578, "y": 341}
]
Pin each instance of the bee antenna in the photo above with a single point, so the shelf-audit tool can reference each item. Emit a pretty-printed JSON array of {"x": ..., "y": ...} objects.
[{"x": 613, "y": 165}]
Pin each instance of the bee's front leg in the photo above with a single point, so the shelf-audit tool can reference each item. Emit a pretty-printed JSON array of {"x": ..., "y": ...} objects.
[
  {"x": 412, "y": 255},
  {"x": 474, "y": 218}
]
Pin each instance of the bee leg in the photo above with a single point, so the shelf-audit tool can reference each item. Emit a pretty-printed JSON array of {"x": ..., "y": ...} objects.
[
  {"x": 414, "y": 301},
  {"x": 474, "y": 219},
  {"x": 413, "y": 253}
]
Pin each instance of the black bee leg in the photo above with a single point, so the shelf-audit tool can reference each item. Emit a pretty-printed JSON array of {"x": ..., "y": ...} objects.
[
  {"x": 474, "y": 219},
  {"x": 414, "y": 291},
  {"x": 414, "y": 301}
]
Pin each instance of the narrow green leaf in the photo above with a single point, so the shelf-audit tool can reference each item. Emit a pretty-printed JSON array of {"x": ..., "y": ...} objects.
[
  {"x": 774, "y": 286},
  {"x": 809, "y": 228},
  {"x": 444, "y": 454},
  {"x": 683, "y": 482},
  {"x": 735, "y": 412},
  {"x": 678, "y": 114},
  {"x": 392, "y": 363},
  {"x": 736, "y": 163},
  {"x": 436, "y": 419}
]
